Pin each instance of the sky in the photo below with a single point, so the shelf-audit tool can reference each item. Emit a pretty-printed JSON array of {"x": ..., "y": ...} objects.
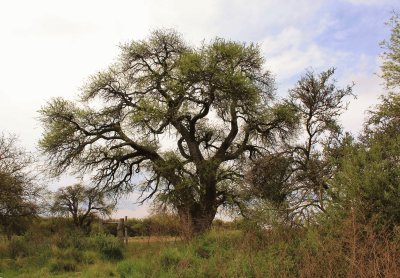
[{"x": 49, "y": 48}]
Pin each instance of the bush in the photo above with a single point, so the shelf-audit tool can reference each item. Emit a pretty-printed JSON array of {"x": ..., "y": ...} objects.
[
  {"x": 109, "y": 247},
  {"x": 65, "y": 259},
  {"x": 71, "y": 239}
]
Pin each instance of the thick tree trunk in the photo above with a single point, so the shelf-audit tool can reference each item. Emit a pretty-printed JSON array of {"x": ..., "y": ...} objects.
[
  {"x": 197, "y": 219},
  {"x": 197, "y": 214}
]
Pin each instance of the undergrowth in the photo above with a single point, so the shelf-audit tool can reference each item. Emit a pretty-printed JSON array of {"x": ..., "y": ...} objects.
[{"x": 343, "y": 250}]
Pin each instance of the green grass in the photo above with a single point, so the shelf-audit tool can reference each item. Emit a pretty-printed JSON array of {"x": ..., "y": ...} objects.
[
  {"x": 219, "y": 253},
  {"x": 85, "y": 257},
  {"x": 216, "y": 254}
]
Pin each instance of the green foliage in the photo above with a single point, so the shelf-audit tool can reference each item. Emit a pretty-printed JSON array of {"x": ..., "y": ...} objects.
[
  {"x": 89, "y": 257},
  {"x": 109, "y": 246},
  {"x": 83, "y": 203},
  {"x": 21, "y": 195},
  {"x": 367, "y": 179},
  {"x": 269, "y": 177},
  {"x": 391, "y": 55},
  {"x": 205, "y": 249},
  {"x": 368, "y": 182},
  {"x": 384, "y": 121},
  {"x": 340, "y": 249},
  {"x": 126, "y": 269},
  {"x": 291, "y": 185},
  {"x": 170, "y": 258}
]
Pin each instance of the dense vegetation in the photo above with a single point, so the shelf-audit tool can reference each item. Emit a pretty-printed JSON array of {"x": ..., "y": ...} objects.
[
  {"x": 307, "y": 199},
  {"x": 238, "y": 250}
]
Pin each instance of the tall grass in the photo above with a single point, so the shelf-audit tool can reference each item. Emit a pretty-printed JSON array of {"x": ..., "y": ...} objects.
[{"x": 342, "y": 249}]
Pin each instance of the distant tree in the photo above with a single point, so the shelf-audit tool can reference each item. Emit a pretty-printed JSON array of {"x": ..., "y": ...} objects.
[
  {"x": 82, "y": 203},
  {"x": 391, "y": 55},
  {"x": 20, "y": 195},
  {"x": 215, "y": 104},
  {"x": 296, "y": 180}
]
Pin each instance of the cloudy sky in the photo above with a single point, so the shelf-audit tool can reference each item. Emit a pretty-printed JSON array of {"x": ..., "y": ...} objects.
[{"x": 50, "y": 48}]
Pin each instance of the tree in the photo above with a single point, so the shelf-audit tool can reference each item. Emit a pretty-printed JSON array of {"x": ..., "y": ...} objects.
[
  {"x": 367, "y": 179},
  {"x": 391, "y": 55},
  {"x": 215, "y": 103},
  {"x": 20, "y": 195},
  {"x": 368, "y": 176},
  {"x": 82, "y": 203},
  {"x": 296, "y": 180}
]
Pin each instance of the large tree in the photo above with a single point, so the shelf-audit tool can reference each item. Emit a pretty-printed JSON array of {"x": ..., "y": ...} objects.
[{"x": 214, "y": 103}]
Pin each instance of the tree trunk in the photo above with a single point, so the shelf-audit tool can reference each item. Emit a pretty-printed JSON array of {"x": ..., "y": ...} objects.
[
  {"x": 197, "y": 219},
  {"x": 197, "y": 214}
]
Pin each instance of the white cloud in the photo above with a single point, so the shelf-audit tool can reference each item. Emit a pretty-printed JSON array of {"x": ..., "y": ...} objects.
[
  {"x": 295, "y": 61},
  {"x": 138, "y": 212},
  {"x": 293, "y": 50},
  {"x": 128, "y": 206},
  {"x": 288, "y": 38},
  {"x": 371, "y": 2}
]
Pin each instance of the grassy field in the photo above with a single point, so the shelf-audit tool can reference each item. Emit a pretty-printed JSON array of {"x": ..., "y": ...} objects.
[
  {"x": 218, "y": 254},
  {"x": 282, "y": 252},
  {"x": 206, "y": 256}
]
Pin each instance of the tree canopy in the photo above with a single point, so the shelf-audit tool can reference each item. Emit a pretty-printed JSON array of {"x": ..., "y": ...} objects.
[
  {"x": 20, "y": 193},
  {"x": 214, "y": 103}
]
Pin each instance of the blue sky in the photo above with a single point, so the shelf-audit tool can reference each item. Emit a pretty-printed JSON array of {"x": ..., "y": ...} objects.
[{"x": 49, "y": 48}]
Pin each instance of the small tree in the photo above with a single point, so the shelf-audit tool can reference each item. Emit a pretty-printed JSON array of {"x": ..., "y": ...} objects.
[
  {"x": 20, "y": 195},
  {"x": 296, "y": 180},
  {"x": 82, "y": 203}
]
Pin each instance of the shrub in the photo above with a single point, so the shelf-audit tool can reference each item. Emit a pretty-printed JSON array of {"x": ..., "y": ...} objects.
[
  {"x": 71, "y": 239},
  {"x": 109, "y": 247}
]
